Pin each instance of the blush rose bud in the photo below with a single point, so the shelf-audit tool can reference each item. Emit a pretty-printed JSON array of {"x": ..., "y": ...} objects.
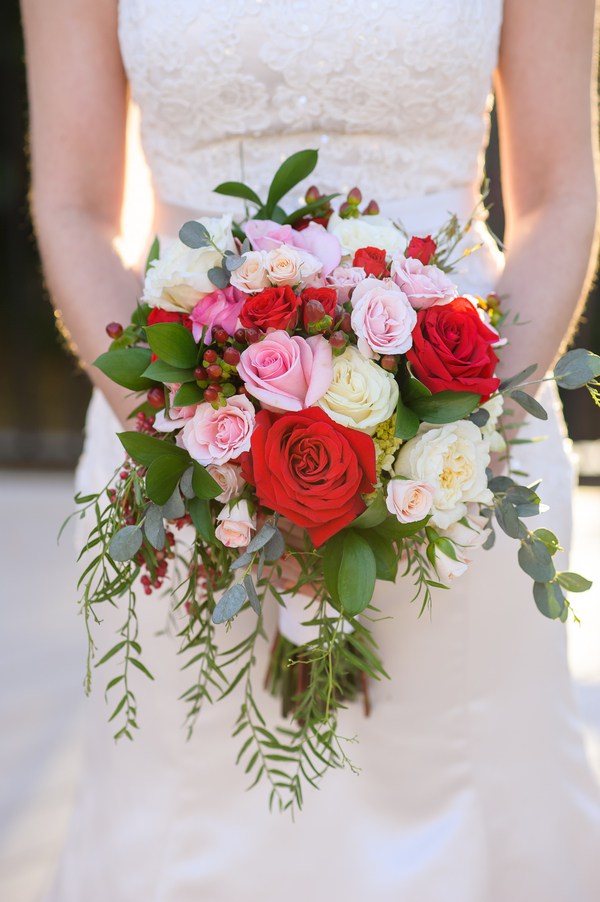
[
  {"x": 114, "y": 330},
  {"x": 156, "y": 398},
  {"x": 372, "y": 209}
]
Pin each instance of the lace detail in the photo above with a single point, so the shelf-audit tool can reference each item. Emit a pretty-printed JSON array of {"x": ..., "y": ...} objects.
[{"x": 383, "y": 87}]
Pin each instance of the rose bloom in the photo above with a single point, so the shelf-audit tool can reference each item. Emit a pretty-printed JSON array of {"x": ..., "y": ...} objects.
[
  {"x": 252, "y": 274},
  {"x": 382, "y": 318},
  {"x": 361, "y": 394},
  {"x": 372, "y": 260},
  {"x": 272, "y": 308},
  {"x": 266, "y": 235},
  {"x": 157, "y": 316},
  {"x": 176, "y": 416},
  {"x": 216, "y": 436},
  {"x": 219, "y": 308},
  {"x": 229, "y": 478},
  {"x": 465, "y": 538},
  {"x": 452, "y": 350},
  {"x": 311, "y": 470},
  {"x": 287, "y": 372},
  {"x": 421, "y": 249},
  {"x": 327, "y": 297},
  {"x": 291, "y": 266},
  {"x": 344, "y": 279},
  {"x": 446, "y": 567},
  {"x": 235, "y": 525},
  {"x": 366, "y": 231},
  {"x": 408, "y": 500},
  {"x": 424, "y": 286},
  {"x": 453, "y": 459},
  {"x": 178, "y": 279}
]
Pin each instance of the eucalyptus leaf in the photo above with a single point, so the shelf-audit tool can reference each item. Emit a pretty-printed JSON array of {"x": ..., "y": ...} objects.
[
  {"x": 513, "y": 381},
  {"x": 528, "y": 403},
  {"x": 549, "y": 599},
  {"x": 576, "y": 368},
  {"x": 252, "y": 594},
  {"x": 573, "y": 582},
  {"x": 264, "y": 535},
  {"x": 274, "y": 548},
  {"x": 508, "y": 520},
  {"x": 126, "y": 543},
  {"x": 174, "y": 507},
  {"x": 500, "y": 484},
  {"x": 185, "y": 484},
  {"x": 535, "y": 559},
  {"x": 480, "y": 416},
  {"x": 233, "y": 263},
  {"x": 195, "y": 235},
  {"x": 126, "y": 366},
  {"x": 490, "y": 540},
  {"x": 548, "y": 538},
  {"x": 230, "y": 603},
  {"x": 218, "y": 276},
  {"x": 244, "y": 560},
  {"x": 154, "y": 527}
]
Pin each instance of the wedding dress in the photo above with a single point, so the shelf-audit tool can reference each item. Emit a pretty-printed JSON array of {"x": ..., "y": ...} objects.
[{"x": 473, "y": 786}]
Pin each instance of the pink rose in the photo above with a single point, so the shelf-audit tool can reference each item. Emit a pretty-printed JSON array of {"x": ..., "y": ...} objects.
[
  {"x": 344, "y": 279},
  {"x": 235, "y": 525},
  {"x": 229, "y": 477},
  {"x": 382, "y": 317},
  {"x": 176, "y": 416},
  {"x": 424, "y": 286},
  {"x": 287, "y": 372},
  {"x": 409, "y": 500},
  {"x": 266, "y": 235},
  {"x": 216, "y": 436},
  {"x": 219, "y": 308}
]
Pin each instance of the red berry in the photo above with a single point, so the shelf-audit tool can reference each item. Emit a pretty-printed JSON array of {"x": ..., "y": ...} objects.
[
  {"x": 200, "y": 374},
  {"x": 156, "y": 397},
  {"x": 252, "y": 335},
  {"x": 313, "y": 311},
  {"x": 388, "y": 362},
  {"x": 240, "y": 335},
  {"x": 231, "y": 356},
  {"x": 114, "y": 330},
  {"x": 211, "y": 394},
  {"x": 220, "y": 335},
  {"x": 338, "y": 340},
  {"x": 214, "y": 372},
  {"x": 123, "y": 474},
  {"x": 346, "y": 323},
  {"x": 210, "y": 356}
]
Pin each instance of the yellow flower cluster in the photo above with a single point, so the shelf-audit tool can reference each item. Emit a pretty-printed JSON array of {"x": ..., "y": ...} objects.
[{"x": 386, "y": 444}]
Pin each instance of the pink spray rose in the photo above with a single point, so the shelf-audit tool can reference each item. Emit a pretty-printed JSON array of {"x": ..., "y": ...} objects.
[
  {"x": 344, "y": 279},
  {"x": 424, "y": 286},
  {"x": 219, "y": 308},
  {"x": 409, "y": 500},
  {"x": 265, "y": 235},
  {"x": 216, "y": 436},
  {"x": 229, "y": 477},
  {"x": 287, "y": 372},
  {"x": 382, "y": 317},
  {"x": 235, "y": 525}
]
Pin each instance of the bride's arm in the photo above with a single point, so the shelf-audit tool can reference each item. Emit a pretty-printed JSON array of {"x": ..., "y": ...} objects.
[
  {"x": 78, "y": 103},
  {"x": 545, "y": 94}
]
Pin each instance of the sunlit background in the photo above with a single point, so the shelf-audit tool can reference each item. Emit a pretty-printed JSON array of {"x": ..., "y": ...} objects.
[{"x": 43, "y": 397}]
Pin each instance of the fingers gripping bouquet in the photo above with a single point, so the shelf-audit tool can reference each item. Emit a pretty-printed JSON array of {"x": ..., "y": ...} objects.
[{"x": 319, "y": 408}]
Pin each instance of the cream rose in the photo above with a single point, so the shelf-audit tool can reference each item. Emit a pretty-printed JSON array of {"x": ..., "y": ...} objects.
[
  {"x": 366, "y": 231},
  {"x": 453, "y": 459},
  {"x": 494, "y": 407},
  {"x": 236, "y": 524},
  {"x": 408, "y": 500},
  {"x": 291, "y": 266},
  {"x": 361, "y": 395},
  {"x": 229, "y": 477},
  {"x": 178, "y": 279},
  {"x": 252, "y": 275},
  {"x": 447, "y": 568}
]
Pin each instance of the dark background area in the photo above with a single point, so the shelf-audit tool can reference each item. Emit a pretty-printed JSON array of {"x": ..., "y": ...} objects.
[{"x": 44, "y": 395}]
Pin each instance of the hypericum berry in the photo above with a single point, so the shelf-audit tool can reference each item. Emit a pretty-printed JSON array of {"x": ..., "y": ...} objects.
[
  {"x": 389, "y": 363},
  {"x": 123, "y": 474},
  {"x": 346, "y": 323},
  {"x": 240, "y": 335},
  {"x": 242, "y": 390},
  {"x": 231, "y": 356},
  {"x": 214, "y": 372},
  {"x": 372, "y": 209},
  {"x": 313, "y": 194},
  {"x": 200, "y": 374},
  {"x": 220, "y": 335},
  {"x": 114, "y": 330},
  {"x": 210, "y": 356},
  {"x": 355, "y": 197},
  {"x": 156, "y": 397},
  {"x": 252, "y": 335},
  {"x": 314, "y": 311},
  {"x": 211, "y": 394},
  {"x": 338, "y": 340},
  {"x": 228, "y": 390},
  {"x": 345, "y": 209}
]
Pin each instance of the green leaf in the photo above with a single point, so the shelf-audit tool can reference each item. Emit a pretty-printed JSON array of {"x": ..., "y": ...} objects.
[
  {"x": 141, "y": 667},
  {"x": 139, "y": 317},
  {"x": 238, "y": 189},
  {"x": 549, "y": 599},
  {"x": 445, "y": 406},
  {"x": 113, "y": 651},
  {"x": 293, "y": 170},
  {"x": 375, "y": 513},
  {"x": 231, "y": 602},
  {"x": 576, "y": 368},
  {"x": 195, "y": 235},
  {"x": 528, "y": 403},
  {"x": 126, "y": 366},
  {"x": 199, "y": 510},
  {"x": 218, "y": 276},
  {"x": 536, "y": 560},
  {"x": 173, "y": 344},
  {"x": 309, "y": 209},
  {"x": 162, "y": 477},
  {"x": 394, "y": 530},
  {"x": 188, "y": 394},
  {"x": 153, "y": 253},
  {"x": 332, "y": 558},
  {"x": 407, "y": 422},
  {"x": 519, "y": 378},
  {"x": 164, "y": 372},
  {"x": 412, "y": 390},
  {"x": 386, "y": 559},
  {"x": 126, "y": 543},
  {"x": 356, "y": 578},
  {"x": 154, "y": 527},
  {"x": 573, "y": 582},
  {"x": 548, "y": 538},
  {"x": 203, "y": 484},
  {"x": 146, "y": 448},
  {"x": 187, "y": 489},
  {"x": 508, "y": 520}
]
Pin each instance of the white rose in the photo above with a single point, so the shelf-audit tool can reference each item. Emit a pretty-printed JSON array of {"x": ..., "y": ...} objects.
[
  {"x": 495, "y": 408},
  {"x": 453, "y": 459},
  {"x": 229, "y": 477},
  {"x": 178, "y": 279},
  {"x": 291, "y": 266},
  {"x": 408, "y": 500},
  {"x": 235, "y": 525},
  {"x": 361, "y": 395},
  {"x": 252, "y": 274},
  {"x": 366, "y": 231}
]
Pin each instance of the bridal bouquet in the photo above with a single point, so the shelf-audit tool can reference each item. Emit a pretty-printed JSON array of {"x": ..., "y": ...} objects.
[{"x": 318, "y": 410}]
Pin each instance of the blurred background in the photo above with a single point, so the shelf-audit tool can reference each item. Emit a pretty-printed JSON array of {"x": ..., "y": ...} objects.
[{"x": 42, "y": 642}]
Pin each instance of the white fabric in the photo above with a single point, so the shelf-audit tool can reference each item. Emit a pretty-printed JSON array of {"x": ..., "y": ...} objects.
[{"x": 474, "y": 785}]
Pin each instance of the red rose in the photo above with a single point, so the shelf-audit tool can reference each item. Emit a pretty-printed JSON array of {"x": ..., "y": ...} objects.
[
  {"x": 271, "y": 308},
  {"x": 310, "y": 469},
  {"x": 421, "y": 248},
  {"x": 372, "y": 260},
  {"x": 326, "y": 297},
  {"x": 157, "y": 315},
  {"x": 452, "y": 349}
]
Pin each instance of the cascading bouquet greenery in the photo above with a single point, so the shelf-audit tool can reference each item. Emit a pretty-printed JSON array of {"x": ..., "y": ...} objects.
[{"x": 316, "y": 396}]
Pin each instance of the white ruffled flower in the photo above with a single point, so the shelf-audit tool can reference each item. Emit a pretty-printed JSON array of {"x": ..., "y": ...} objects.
[
  {"x": 366, "y": 231},
  {"x": 453, "y": 459},
  {"x": 361, "y": 395},
  {"x": 252, "y": 275},
  {"x": 178, "y": 279}
]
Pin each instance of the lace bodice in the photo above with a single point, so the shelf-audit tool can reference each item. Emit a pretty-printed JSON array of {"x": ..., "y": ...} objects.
[{"x": 395, "y": 93}]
